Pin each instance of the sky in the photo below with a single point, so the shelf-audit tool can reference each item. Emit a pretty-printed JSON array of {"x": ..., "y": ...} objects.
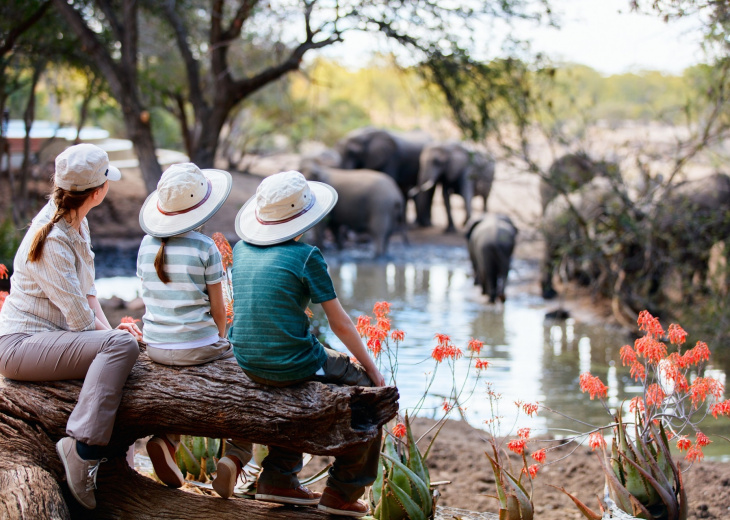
[{"x": 602, "y": 34}]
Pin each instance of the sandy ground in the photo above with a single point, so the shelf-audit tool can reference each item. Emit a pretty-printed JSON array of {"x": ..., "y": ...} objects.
[{"x": 458, "y": 454}]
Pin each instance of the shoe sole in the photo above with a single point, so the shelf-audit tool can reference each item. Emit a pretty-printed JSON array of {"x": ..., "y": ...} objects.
[
  {"x": 157, "y": 451},
  {"x": 224, "y": 475},
  {"x": 342, "y": 512},
  {"x": 287, "y": 500},
  {"x": 62, "y": 456}
]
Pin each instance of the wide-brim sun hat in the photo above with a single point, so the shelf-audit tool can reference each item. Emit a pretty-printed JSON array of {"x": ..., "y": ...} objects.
[
  {"x": 186, "y": 198},
  {"x": 285, "y": 206}
]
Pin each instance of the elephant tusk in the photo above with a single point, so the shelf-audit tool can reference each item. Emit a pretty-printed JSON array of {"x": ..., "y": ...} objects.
[{"x": 420, "y": 189}]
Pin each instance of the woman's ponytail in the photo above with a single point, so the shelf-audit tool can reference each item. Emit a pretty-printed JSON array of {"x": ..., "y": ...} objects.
[{"x": 160, "y": 262}]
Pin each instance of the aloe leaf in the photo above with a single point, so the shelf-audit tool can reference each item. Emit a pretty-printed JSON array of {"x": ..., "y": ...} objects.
[
  {"x": 625, "y": 500},
  {"x": 199, "y": 447},
  {"x": 670, "y": 501},
  {"x": 587, "y": 511},
  {"x": 415, "y": 461},
  {"x": 522, "y": 496},
  {"x": 513, "y": 508},
  {"x": 192, "y": 465},
  {"x": 377, "y": 488},
  {"x": 412, "y": 509},
  {"x": 421, "y": 486},
  {"x": 682, "y": 498},
  {"x": 498, "y": 480},
  {"x": 317, "y": 476},
  {"x": 213, "y": 447}
]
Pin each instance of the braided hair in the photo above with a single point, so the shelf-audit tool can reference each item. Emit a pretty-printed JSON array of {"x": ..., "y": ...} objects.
[{"x": 65, "y": 201}]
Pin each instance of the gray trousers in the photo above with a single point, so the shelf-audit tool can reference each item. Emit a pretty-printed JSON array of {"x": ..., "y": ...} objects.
[
  {"x": 352, "y": 470},
  {"x": 102, "y": 358}
]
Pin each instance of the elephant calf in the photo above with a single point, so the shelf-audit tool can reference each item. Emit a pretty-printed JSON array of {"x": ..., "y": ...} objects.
[
  {"x": 369, "y": 202},
  {"x": 491, "y": 241}
]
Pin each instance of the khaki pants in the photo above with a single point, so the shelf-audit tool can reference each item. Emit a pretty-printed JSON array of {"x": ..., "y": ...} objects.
[
  {"x": 102, "y": 358},
  {"x": 239, "y": 448},
  {"x": 351, "y": 471}
]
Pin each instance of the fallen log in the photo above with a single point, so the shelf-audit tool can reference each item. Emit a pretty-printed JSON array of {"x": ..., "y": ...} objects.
[{"x": 212, "y": 400}]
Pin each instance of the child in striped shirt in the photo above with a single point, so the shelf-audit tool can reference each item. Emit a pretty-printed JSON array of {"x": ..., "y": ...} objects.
[{"x": 185, "y": 315}]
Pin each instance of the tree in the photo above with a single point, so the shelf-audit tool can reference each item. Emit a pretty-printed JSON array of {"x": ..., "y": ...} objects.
[{"x": 213, "y": 79}]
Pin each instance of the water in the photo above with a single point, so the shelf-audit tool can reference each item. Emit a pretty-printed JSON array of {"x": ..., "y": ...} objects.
[{"x": 531, "y": 358}]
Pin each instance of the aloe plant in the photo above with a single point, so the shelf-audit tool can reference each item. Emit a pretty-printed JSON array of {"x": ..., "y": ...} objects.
[
  {"x": 196, "y": 457},
  {"x": 515, "y": 502},
  {"x": 402, "y": 489},
  {"x": 641, "y": 477}
]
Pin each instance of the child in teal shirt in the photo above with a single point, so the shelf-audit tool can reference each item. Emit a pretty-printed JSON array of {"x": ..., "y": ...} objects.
[{"x": 275, "y": 276}]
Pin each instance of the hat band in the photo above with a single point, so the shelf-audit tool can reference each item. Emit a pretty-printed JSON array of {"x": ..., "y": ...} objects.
[
  {"x": 191, "y": 208},
  {"x": 288, "y": 219}
]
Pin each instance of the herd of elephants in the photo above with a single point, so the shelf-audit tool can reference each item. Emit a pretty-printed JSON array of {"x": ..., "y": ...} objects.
[{"x": 641, "y": 235}]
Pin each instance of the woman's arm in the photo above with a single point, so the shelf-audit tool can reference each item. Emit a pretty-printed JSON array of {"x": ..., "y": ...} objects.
[
  {"x": 218, "y": 307},
  {"x": 345, "y": 330},
  {"x": 101, "y": 322}
]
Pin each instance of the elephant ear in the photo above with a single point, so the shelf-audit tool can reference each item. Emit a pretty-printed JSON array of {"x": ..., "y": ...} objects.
[{"x": 382, "y": 148}]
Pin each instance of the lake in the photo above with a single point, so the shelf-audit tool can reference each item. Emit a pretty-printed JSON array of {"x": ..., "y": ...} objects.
[{"x": 430, "y": 289}]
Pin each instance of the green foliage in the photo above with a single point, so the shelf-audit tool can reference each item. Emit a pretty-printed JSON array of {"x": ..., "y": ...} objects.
[
  {"x": 10, "y": 238},
  {"x": 402, "y": 488},
  {"x": 196, "y": 457}
]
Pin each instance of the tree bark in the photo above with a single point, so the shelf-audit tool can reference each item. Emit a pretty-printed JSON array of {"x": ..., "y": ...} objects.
[{"x": 212, "y": 400}]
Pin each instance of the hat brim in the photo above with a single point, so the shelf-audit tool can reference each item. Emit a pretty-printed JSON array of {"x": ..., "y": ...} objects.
[
  {"x": 254, "y": 232},
  {"x": 157, "y": 224},
  {"x": 113, "y": 174}
]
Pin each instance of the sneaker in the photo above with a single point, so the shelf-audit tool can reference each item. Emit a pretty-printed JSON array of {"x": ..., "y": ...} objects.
[
  {"x": 226, "y": 476},
  {"x": 332, "y": 503},
  {"x": 300, "y": 495},
  {"x": 162, "y": 456},
  {"x": 80, "y": 473}
]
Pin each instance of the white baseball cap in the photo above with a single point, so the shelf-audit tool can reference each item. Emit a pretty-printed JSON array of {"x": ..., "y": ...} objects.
[
  {"x": 186, "y": 197},
  {"x": 84, "y": 166},
  {"x": 285, "y": 206}
]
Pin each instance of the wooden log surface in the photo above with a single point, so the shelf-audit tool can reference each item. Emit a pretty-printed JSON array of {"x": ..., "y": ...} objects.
[{"x": 212, "y": 400}]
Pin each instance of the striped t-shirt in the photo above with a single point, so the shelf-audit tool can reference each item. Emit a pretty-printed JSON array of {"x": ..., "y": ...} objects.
[
  {"x": 178, "y": 313},
  {"x": 272, "y": 287}
]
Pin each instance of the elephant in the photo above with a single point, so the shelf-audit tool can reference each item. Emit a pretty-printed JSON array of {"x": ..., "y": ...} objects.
[
  {"x": 384, "y": 151},
  {"x": 690, "y": 218},
  {"x": 368, "y": 202},
  {"x": 458, "y": 171},
  {"x": 570, "y": 172},
  {"x": 572, "y": 225},
  {"x": 491, "y": 242}
]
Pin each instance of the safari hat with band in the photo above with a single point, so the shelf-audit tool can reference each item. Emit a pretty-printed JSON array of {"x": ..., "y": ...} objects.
[
  {"x": 285, "y": 206},
  {"x": 186, "y": 197},
  {"x": 84, "y": 166}
]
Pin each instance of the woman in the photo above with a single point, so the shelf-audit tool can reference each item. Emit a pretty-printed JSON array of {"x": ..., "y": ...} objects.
[{"x": 52, "y": 326}]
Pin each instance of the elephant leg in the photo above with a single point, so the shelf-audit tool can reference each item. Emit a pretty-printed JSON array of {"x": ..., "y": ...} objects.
[
  {"x": 548, "y": 267},
  {"x": 447, "y": 204},
  {"x": 467, "y": 192},
  {"x": 491, "y": 274}
]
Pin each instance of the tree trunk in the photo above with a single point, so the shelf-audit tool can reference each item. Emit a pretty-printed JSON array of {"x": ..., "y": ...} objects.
[{"x": 212, "y": 400}]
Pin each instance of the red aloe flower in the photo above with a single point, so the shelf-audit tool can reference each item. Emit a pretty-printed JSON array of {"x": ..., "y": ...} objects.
[
  {"x": 650, "y": 324},
  {"x": 3, "y": 271},
  {"x": 398, "y": 335},
  {"x": 381, "y": 309},
  {"x": 128, "y": 319},
  {"x": 225, "y": 249},
  {"x": 517, "y": 445},
  {"x": 399, "y": 430},
  {"x": 383, "y": 323},
  {"x": 481, "y": 363},
  {"x": 702, "y": 387},
  {"x": 363, "y": 323},
  {"x": 683, "y": 443},
  {"x": 523, "y": 433},
  {"x": 443, "y": 339},
  {"x": 596, "y": 440},
  {"x": 475, "y": 345},
  {"x": 702, "y": 439},
  {"x": 592, "y": 385},
  {"x": 539, "y": 456},
  {"x": 530, "y": 408},
  {"x": 654, "y": 395},
  {"x": 531, "y": 470},
  {"x": 722, "y": 408},
  {"x": 677, "y": 334},
  {"x": 694, "y": 454},
  {"x": 628, "y": 355}
]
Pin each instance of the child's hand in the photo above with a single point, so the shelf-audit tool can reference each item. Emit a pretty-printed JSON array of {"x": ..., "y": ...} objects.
[
  {"x": 132, "y": 329},
  {"x": 376, "y": 377}
]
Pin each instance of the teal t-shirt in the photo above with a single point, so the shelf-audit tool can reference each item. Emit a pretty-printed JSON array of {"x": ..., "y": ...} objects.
[{"x": 272, "y": 287}]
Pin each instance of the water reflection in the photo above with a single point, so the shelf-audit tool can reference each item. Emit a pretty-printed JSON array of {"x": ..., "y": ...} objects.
[{"x": 531, "y": 358}]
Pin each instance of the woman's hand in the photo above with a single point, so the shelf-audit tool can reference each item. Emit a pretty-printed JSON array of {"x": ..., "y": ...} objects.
[{"x": 132, "y": 329}]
